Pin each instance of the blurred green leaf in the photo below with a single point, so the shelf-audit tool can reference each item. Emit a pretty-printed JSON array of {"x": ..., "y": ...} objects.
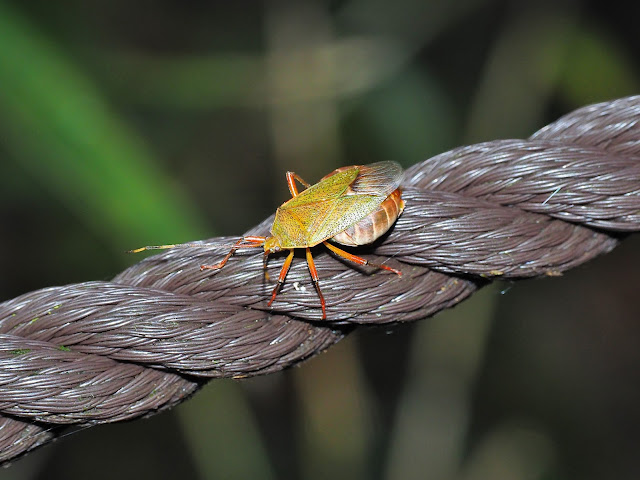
[
  {"x": 334, "y": 69},
  {"x": 447, "y": 356},
  {"x": 411, "y": 117},
  {"x": 597, "y": 68},
  {"x": 222, "y": 434},
  {"x": 521, "y": 72},
  {"x": 57, "y": 125}
]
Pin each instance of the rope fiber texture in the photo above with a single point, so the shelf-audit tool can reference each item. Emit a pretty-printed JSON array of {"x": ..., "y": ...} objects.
[{"x": 100, "y": 352}]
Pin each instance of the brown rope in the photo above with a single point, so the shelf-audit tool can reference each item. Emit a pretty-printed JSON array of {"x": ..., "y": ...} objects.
[{"x": 107, "y": 351}]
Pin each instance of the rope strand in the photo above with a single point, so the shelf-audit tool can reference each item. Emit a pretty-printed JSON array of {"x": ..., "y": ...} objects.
[{"x": 100, "y": 352}]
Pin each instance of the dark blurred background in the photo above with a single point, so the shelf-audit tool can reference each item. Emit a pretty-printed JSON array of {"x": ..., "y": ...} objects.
[{"x": 131, "y": 123}]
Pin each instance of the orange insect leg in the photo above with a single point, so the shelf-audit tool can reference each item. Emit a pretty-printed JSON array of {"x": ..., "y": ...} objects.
[
  {"x": 282, "y": 276},
  {"x": 358, "y": 260},
  {"x": 291, "y": 178},
  {"x": 254, "y": 241},
  {"x": 314, "y": 277}
]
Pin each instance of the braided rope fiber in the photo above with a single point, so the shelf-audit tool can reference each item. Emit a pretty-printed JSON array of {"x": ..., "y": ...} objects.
[{"x": 99, "y": 352}]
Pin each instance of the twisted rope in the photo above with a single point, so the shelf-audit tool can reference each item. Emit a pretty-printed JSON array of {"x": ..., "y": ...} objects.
[{"x": 99, "y": 352}]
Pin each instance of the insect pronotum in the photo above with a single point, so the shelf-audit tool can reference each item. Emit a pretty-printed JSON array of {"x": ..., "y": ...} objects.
[{"x": 351, "y": 206}]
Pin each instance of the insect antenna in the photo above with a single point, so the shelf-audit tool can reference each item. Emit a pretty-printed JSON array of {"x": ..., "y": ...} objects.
[
  {"x": 176, "y": 245},
  {"x": 194, "y": 245}
]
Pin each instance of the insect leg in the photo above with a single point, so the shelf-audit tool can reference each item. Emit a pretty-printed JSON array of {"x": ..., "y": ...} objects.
[
  {"x": 291, "y": 178},
  {"x": 282, "y": 276},
  {"x": 358, "y": 260},
  {"x": 253, "y": 242},
  {"x": 314, "y": 277}
]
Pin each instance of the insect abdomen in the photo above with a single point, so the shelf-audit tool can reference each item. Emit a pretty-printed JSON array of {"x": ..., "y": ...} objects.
[{"x": 375, "y": 224}]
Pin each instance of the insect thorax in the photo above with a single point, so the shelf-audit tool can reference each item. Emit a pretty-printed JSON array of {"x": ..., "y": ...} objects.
[{"x": 289, "y": 231}]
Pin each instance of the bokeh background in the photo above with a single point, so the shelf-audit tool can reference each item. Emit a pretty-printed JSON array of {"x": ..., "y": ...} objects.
[{"x": 131, "y": 123}]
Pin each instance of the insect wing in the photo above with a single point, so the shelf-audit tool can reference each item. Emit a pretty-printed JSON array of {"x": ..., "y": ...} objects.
[
  {"x": 335, "y": 203},
  {"x": 379, "y": 179},
  {"x": 341, "y": 214},
  {"x": 298, "y": 218},
  {"x": 373, "y": 184},
  {"x": 308, "y": 225},
  {"x": 329, "y": 188}
]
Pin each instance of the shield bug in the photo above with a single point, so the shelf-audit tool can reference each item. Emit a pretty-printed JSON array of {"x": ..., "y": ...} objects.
[{"x": 350, "y": 206}]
